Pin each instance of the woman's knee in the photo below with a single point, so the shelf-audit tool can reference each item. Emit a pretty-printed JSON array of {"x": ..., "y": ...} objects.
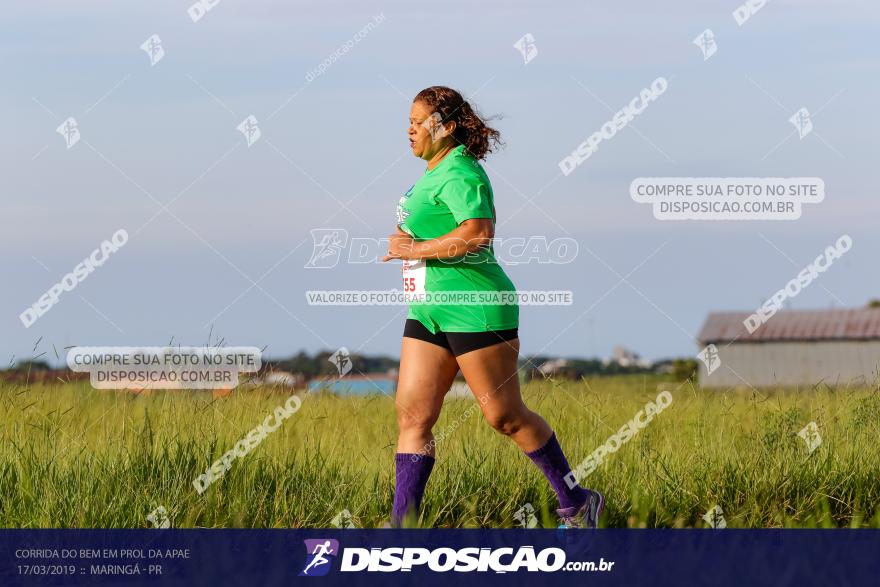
[
  {"x": 415, "y": 420},
  {"x": 507, "y": 422}
]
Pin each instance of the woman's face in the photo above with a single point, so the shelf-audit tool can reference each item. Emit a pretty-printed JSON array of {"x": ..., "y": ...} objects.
[{"x": 427, "y": 136}]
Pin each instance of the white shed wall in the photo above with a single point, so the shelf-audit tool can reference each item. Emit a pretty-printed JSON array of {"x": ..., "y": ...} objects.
[{"x": 794, "y": 363}]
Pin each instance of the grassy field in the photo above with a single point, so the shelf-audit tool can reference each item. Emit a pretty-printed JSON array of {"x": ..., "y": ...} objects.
[{"x": 71, "y": 456}]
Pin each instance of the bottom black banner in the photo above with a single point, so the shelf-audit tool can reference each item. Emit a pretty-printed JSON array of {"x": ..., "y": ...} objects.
[{"x": 434, "y": 557}]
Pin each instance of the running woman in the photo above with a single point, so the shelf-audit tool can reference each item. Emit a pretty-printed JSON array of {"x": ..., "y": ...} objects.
[{"x": 445, "y": 226}]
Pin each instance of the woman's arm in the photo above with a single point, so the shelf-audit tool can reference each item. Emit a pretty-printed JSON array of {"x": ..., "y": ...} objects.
[{"x": 470, "y": 236}]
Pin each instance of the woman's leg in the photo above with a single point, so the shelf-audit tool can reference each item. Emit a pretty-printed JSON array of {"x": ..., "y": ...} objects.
[
  {"x": 426, "y": 373},
  {"x": 491, "y": 373}
]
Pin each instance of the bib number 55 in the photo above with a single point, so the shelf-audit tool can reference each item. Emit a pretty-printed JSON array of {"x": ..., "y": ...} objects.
[{"x": 414, "y": 278}]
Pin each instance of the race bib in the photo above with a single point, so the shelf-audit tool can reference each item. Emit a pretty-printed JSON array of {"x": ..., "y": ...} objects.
[{"x": 414, "y": 280}]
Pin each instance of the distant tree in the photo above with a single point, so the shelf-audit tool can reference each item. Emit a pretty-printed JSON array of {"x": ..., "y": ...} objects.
[
  {"x": 299, "y": 363},
  {"x": 320, "y": 365},
  {"x": 683, "y": 369},
  {"x": 32, "y": 366},
  {"x": 584, "y": 367},
  {"x": 577, "y": 368},
  {"x": 874, "y": 303}
]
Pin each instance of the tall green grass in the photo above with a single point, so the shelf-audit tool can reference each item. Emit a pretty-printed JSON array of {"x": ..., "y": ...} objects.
[{"x": 71, "y": 456}]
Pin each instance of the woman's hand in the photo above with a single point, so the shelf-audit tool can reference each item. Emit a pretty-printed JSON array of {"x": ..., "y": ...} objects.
[{"x": 400, "y": 246}]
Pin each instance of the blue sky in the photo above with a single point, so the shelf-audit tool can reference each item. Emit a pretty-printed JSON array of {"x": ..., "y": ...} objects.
[{"x": 243, "y": 214}]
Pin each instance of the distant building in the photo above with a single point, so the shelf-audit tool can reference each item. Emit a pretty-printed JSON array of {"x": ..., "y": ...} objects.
[
  {"x": 794, "y": 347},
  {"x": 552, "y": 367},
  {"x": 626, "y": 358},
  {"x": 278, "y": 379},
  {"x": 284, "y": 378},
  {"x": 459, "y": 390}
]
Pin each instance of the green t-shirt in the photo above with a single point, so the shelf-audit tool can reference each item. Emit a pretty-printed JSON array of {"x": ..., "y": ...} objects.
[{"x": 457, "y": 189}]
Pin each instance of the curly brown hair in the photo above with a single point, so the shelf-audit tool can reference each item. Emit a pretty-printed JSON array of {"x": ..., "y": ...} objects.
[{"x": 470, "y": 128}]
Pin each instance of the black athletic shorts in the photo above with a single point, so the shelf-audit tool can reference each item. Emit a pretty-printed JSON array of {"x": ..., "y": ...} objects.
[{"x": 458, "y": 343}]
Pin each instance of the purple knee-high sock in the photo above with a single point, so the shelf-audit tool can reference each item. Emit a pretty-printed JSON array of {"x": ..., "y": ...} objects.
[
  {"x": 552, "y": 462},
  {"x": 412, "y": 475}
]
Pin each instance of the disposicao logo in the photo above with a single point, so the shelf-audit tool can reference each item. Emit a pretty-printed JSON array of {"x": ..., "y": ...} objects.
[{"x": 320, "y": 553}]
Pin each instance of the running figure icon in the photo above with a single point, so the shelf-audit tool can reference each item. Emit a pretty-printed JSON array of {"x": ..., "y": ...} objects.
[{"x": 319, "y": 552}]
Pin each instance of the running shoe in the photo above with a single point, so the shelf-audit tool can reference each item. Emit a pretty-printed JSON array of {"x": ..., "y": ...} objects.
[{"x": 586, "y": 516}]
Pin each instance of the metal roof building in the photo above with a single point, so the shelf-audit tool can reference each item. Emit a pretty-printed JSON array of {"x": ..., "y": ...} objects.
[{"x": 793, "y": 347}]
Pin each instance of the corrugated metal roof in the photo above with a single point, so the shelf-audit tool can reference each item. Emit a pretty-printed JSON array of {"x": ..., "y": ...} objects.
[{"x": 836, "y": 324}]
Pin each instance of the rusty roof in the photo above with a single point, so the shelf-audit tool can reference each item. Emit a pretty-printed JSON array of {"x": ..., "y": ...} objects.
[{"x": 791, "y": 325}]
